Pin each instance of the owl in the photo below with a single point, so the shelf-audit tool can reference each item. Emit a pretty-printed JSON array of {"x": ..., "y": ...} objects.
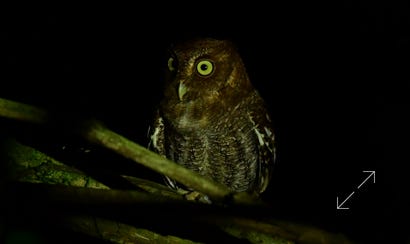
[{"x": 211, "y": 119}]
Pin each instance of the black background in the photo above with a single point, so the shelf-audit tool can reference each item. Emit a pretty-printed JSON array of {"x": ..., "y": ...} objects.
[{"x": 331, "y": 75}]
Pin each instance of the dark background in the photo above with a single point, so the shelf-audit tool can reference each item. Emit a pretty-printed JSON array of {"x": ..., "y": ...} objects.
[{"x": 331, "y": 75}]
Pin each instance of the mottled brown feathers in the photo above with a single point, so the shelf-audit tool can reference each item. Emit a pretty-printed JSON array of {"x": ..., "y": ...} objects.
[{"x": 212, "y": 120}]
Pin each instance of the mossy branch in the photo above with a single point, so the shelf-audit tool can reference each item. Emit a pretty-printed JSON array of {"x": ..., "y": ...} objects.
[
  {"x": 89, "y": 193},
  {"x": 117, "y": 232},
  {"x": 26, "y": 164},
  {"x": 129, "y": 207},
  {"x": 19, "y": 111},
  {"x": 97, "y": 133}
]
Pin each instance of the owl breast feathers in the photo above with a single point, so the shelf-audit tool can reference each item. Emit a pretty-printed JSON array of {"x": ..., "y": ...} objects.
[{"x": 212, "y": 120}]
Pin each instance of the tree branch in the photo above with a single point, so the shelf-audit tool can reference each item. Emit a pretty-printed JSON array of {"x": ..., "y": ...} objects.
[
  {"x": 20, "y": 111},
  {"x": 25, "y": 164},
  {"x": 97, "y": 133},
  {"x": 135, "y": 206},
  {"x": 130, "y": 207},
  {"x": 117, "y": 232}
]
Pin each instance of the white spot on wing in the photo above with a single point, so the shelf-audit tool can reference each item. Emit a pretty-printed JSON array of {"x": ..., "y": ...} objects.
[
  {"x": 154, "y": 137},
  {"x": 171, "y": 183},
  {"x": 260, "y": 136}
]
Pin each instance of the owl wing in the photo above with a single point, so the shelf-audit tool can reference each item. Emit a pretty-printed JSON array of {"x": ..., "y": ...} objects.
[
  {"x": 157, "y": 143},
  {"x": 262, "y": 127}
]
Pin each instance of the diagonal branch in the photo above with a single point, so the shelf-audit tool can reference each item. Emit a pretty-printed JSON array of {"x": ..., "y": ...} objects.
[
  {"x": 20, "y": 111},
  {"x": 99, "y": 134},
  {"x": 95, "y": 132}
]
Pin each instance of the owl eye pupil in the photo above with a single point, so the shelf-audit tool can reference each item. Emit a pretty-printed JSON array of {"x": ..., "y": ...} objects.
[{"x": 205, "y": 67}]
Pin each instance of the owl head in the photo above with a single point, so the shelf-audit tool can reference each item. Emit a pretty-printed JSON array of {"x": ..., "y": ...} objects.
[{"x": 207, "y": 70}]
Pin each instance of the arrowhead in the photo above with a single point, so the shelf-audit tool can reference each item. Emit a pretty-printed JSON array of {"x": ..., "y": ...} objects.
[
  {"x": 339, "y": 206},
  {"x": 372, "y": 173}
]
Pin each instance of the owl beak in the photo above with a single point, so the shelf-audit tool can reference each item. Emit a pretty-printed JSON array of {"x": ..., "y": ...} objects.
[{"x": 181, "y": 90}]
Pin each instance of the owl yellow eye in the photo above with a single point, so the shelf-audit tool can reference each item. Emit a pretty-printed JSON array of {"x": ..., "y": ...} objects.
[
  {"x": 171, "y": 64},
  {"x": 205, "y": 67}
]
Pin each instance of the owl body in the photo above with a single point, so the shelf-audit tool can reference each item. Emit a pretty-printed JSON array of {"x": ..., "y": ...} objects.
[{"x": 211, "y": 120}]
